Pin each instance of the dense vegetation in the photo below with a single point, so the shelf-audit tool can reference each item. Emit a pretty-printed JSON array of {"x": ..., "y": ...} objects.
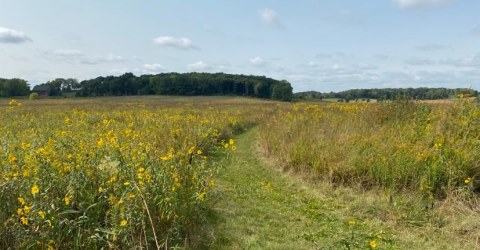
[
  {"x": 388, "y": 94},
  {"x": 397, "y": 145},
  {"x": 189, "y": 84},
  {"x": 13, "y": 87},
  {"x": 118, "y": 175}
]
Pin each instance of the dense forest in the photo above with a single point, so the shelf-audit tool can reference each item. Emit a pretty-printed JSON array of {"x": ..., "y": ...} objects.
[
  {"x": 13, "y": 87},
  {"x": 388, "y": 94},
  {"x": 189, "y": 84}
]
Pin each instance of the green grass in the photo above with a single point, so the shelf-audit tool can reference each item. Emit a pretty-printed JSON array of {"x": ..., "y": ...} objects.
[{"x": 257, "y": 207}]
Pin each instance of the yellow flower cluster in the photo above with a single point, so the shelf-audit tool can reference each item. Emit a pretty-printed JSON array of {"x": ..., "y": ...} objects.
[{"x": 102, "y": 173}]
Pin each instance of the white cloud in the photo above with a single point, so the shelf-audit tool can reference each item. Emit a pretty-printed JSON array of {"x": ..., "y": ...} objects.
[
  {"x": 415, "y": 4},
  {"x": 270, "y": 19},
  {"x": 154, "y": 68},
  {"x": 12, "y": 36},
  {"x": 110, "y": 58},
  {"x": 257, "y": 61},
  {"x": 179, "y": 43},
  {"x": 199, "y": 66},
  {"x": 68, "y": 53}
]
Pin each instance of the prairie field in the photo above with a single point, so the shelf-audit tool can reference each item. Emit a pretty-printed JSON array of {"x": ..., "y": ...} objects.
[
  {"x": 109, "y": 172},
  {"x": 225, "y": 173}
]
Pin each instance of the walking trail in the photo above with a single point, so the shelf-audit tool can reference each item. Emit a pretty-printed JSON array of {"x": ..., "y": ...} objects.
[{"x": 255, "y": 206}]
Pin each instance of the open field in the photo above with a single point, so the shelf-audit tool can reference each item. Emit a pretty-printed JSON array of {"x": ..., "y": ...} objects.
[
  {"x": 109, "y": 172},
  {"x": 236, "y": 173}
]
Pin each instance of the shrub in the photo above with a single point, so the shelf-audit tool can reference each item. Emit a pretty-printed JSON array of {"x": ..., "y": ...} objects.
[{"x": 33, "y": 96}]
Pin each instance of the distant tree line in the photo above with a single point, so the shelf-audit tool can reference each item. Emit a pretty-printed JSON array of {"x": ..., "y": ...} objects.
[
  {"x": 13, "y": 87},
  {"x": 62, "y": 85},
  {"x": 188, "y": 84},
  {"x": 389, "y": 94}
]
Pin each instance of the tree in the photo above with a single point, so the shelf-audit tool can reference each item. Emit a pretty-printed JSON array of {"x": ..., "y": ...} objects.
[
  {"x": 282, "y": 91},
  {"x": 13, "y": 87}
]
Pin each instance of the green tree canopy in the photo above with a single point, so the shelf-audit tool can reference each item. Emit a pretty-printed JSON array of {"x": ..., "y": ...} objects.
[
  {"x": 13, "y": 87},
  {"x": 189, "y": 84}
]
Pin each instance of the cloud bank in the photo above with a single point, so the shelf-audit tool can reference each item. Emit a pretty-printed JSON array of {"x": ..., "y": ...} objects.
[{"x": 12, "y": 36}]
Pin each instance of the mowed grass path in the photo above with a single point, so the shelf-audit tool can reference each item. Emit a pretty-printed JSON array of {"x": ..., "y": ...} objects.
[{"x": 255, "y": 206}]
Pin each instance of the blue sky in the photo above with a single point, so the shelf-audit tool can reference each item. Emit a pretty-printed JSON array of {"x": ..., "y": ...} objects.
[{"x": 323, "y": 45}]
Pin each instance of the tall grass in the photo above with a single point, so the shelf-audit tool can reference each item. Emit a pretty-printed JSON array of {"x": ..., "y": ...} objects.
[
  {"x": 399, "y": 145},
  {"x": 119, "y": 175}
]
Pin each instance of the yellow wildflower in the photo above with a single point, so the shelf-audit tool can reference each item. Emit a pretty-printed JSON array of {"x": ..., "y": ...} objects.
[
  {"x": 41, "y": 214},
  {"x": 26, "y": 209},
  {"x": 12, "y": 159},
  {"x": 24, "y": 220},
  {"x": 373, "y": 244},
  {"x": 123, "y": 223},
  {"x": 212, "y": 183},
  {"x": 35, "y": 190},
  {"x": 21, "y": 200},
  {"x": 201, "y": 196},
  {"x": 66, "y": 200},
  {"x": 468, "y": 180}
]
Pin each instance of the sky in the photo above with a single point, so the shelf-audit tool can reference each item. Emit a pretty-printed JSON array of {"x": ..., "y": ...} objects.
[{"x": 321, "y": 45}]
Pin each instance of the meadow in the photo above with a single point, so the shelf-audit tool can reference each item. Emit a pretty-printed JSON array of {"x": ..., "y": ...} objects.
[
  {"x": 95, "y": 173},
  {"x": 146, "y": 172},
  {"x": 400, "y": 145}
]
